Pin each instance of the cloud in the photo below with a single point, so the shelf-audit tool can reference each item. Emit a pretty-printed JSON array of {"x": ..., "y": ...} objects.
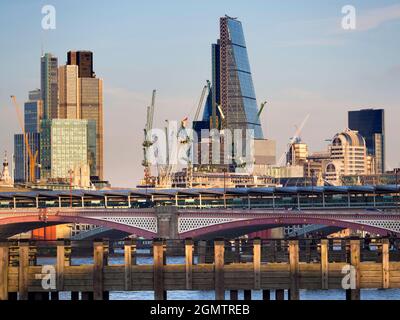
[{"x": 374, "y": 18}]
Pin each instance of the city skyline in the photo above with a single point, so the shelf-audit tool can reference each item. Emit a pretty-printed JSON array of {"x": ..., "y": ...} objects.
[{"x": 279, "y": 65}]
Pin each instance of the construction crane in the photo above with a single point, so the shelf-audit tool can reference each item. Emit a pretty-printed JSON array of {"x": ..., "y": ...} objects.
[
  {"x": 32, "y": 157},
  {"x": 261, "y": 109},
  {"x": 294, "y": 139},
  {"x": 148, "y": 139},
  {"x": 201, "y": 101}
]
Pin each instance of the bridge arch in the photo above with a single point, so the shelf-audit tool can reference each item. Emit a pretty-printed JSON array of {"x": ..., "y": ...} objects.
[
  {"x": 246, "y": 226},
  {"x": 17, "y": 224}
]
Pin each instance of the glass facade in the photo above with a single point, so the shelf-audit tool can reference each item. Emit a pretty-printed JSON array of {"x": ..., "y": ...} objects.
[
  {"x": 64, "y": 146},
  {"x": 370, "y": 124},
  {"x": 238, "y": 99},
  {"x": 49, "y": 85},
  {"x": 91, "y": 104},
  {"x": 22, "y": 160},
  {"x": 33, "y": 114}
]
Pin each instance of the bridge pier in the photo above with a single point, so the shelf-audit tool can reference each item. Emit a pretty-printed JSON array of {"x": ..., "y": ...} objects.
[{"x": 167, "y": 222}]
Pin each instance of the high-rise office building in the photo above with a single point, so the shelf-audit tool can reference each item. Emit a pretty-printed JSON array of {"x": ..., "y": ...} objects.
[
  {"x": 91, "y": 104},
  {"x": 370, "y": 123},
  {"x": 49, "y": 85},
  {"x": 84, "y": 60},
  {"x": 63, "y": 147},
  {"x": 33, "y": 114},
  {"x": 231, "y": 103},
  {"x": 68, "y": 92},
  {"x": 81, "y": 97},
  {"x": 236, "y": 91},
  {"x": 22, "y": 160}
]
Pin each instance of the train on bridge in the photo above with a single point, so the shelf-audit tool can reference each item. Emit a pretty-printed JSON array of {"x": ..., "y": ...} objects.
[{"x": 292, "y": 198}]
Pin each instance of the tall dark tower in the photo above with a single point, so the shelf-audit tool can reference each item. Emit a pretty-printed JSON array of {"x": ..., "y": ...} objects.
[
  {"x": 370, "y": 124},
  {"x": 84, "y": 60}
]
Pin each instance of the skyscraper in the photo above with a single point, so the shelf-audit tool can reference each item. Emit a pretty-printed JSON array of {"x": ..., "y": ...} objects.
[
  {"x": 81, "y": 97},
  {"x": 49, "y": 85},
  {"x": 91, "y": 104},
  {"x": 63, "y": 147},
  {"x": 68, "y": 92},
  {"x": 22, "y": 171},
  {"x": 370, "y": 124},
  {"x": 231, "y": 103},
  {"x": 84, "y": 60},
  {"x": 236, "y": 90},
  {"x": 33, "y": 114}
]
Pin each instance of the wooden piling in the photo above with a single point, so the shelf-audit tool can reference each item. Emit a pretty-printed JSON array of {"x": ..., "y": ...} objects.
[
  {"x": 202, "y": 251},
  {"x": 4, "y": 250},
  {"x": 355, "y": 262},
  {"x": 247, "y": 294},
  {"x": 266, "y": 295},
  {"x": 385, "y": 264},
  {"x": 257, "y": 263},
  {"x": 234, "y": 294},
  {"x": 23, "y": 270},
  {"x": 158, "y": 269},
  {"x": 237, "y": 251},
  {"x": 130, "y": 259},
  {"x": 219, "y": 261},
  {"x": 98, "y": 256},
  {"x": 324, "y": 264},
  {"x": 189, "y": 263},
  {"x": 294, "y": 269},
  {"x": 279, "y": 294},
  {"x": 61, "y": 263}
]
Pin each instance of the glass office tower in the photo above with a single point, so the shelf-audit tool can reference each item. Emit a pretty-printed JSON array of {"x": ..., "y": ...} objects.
[
  {"x": 33, "y": 114},
  {"x": 22, "y": 159},
  {"x": 49, "y": 85},
  {"x": 370, "y": 123},
  {"x": 235, "y": 92},
  {"x": 63, "y": 147}
]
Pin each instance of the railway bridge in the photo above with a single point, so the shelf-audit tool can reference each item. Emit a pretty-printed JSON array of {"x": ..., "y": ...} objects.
[{"x": 204, "y": 213}]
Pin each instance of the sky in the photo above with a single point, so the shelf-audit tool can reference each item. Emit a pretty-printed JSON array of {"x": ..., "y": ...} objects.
[{"x": 303, "y": 62}]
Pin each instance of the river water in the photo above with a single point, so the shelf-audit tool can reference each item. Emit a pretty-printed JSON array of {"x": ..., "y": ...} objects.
[{"x": 366, "y": 294}]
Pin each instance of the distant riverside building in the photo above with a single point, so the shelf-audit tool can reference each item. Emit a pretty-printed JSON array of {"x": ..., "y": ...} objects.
[
  {"x": 297, "y": 155},
  {"x": 35, "y": 95},
  {"x": 348, "y": 156},
  {"x": 84, "y": 60},
  {"x": 49, "y": 85},
  {"x": 64, "y": 145},
  {"x": 370, "y": 123}
]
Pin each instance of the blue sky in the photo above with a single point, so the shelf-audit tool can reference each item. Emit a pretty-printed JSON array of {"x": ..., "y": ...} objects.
[{"x": 302, "y": 63}]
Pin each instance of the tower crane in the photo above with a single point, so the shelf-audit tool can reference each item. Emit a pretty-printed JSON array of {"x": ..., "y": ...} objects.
[
  {"x": 148, "y": 140},
  {"x": 32, "y": 157},
  {"x": 201, "y": 101},
  {"x": 261, "y": 109},
  {"x": 294, "y": 139}
]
